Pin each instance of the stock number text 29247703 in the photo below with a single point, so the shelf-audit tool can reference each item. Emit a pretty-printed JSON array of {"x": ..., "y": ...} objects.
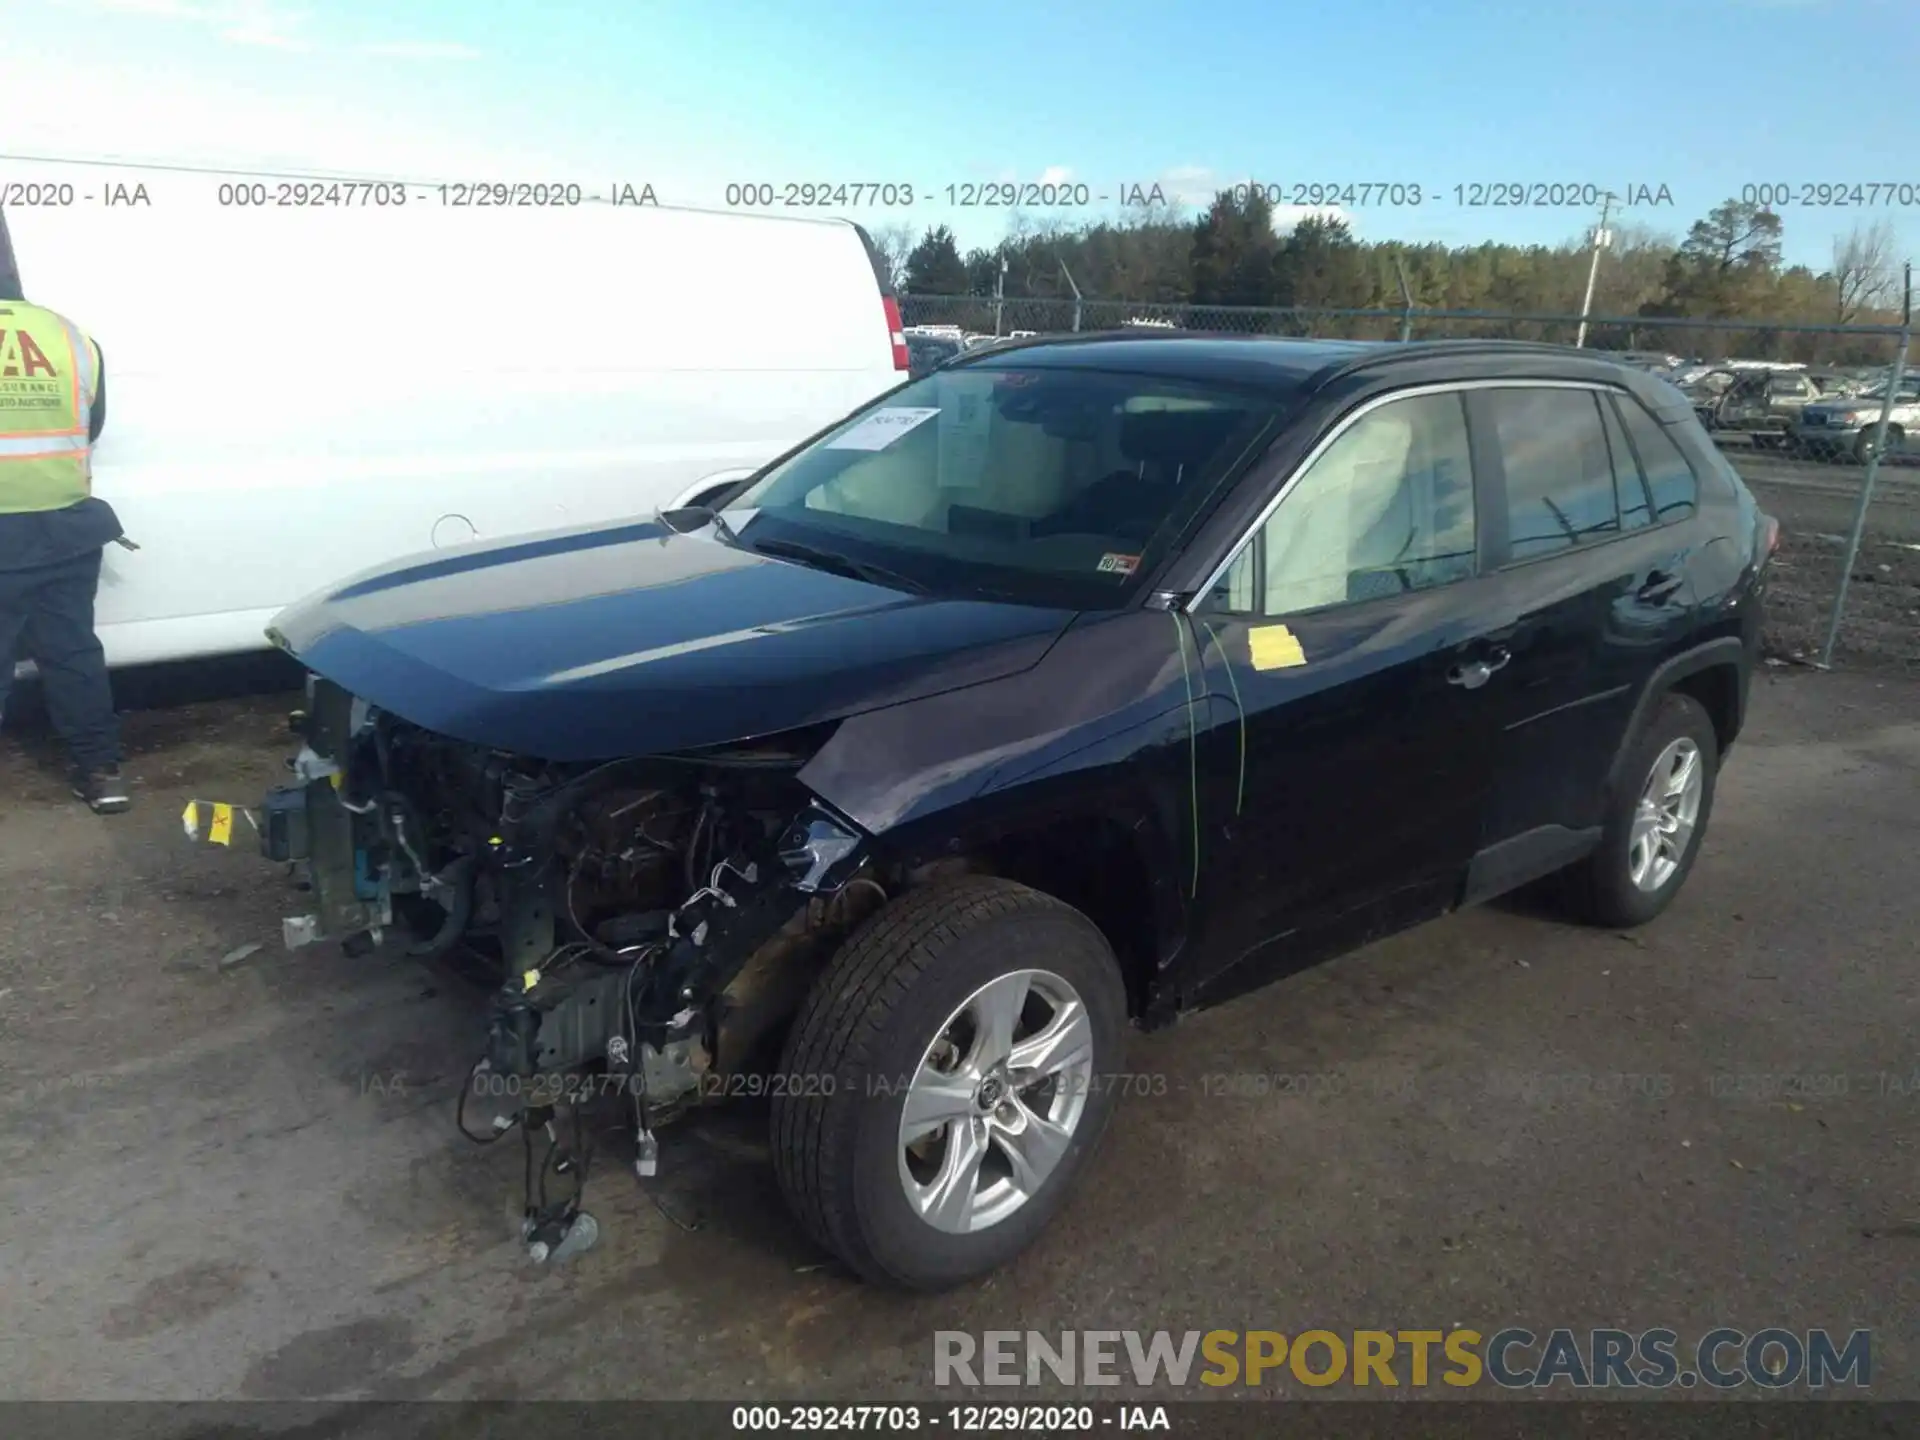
[
  {"x": 818, "y": 194},
  {"x": 1835, "y": 194}
]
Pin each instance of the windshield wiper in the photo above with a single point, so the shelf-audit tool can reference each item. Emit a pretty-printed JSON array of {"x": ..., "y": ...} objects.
[
  {"x": 834, "y": 561},
  {"x": 714, "y": 517}
]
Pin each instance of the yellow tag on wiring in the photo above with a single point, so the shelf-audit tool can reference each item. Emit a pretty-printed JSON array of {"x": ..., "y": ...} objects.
[
  {"x": 1274, "y": 647},
  {"x": 208, "y": 820},
  {"x": 530, "y": 979}
]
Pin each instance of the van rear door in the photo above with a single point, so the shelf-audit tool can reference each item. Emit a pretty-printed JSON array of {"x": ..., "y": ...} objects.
[{"x": 889, "y": 302}]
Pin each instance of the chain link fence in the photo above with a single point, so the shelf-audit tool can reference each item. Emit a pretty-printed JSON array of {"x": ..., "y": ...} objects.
[{"x": 1803, "y": 438}]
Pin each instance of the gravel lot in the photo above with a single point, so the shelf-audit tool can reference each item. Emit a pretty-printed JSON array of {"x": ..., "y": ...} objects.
[
  {"x": 1815, "y": 504},
  {"x": 243, "y": 1181}
]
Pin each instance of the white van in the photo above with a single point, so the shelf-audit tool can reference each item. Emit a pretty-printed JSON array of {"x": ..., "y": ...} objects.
[{"x": 296, "y": 393}]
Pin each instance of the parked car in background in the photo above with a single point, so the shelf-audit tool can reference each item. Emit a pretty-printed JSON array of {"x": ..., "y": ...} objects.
[
  {"x": 1836, "y": 384},
  {"x": 1657, "y": 360},
  {"x": 927, "y": 351},
  {"x": 1082, "y": 682},
  {"x": 1762, "y": 404},
  {"x": 1704, "y": 388},
  {"x": 1843, "y": 427},
  {"x": 344, "y": 388}
]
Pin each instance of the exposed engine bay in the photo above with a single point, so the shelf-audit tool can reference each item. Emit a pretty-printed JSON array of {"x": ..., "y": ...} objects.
[{"x": 655, "y": 921}]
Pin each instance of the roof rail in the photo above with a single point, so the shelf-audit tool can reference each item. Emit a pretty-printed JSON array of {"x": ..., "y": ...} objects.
[{"x": 1390, "y": 352}]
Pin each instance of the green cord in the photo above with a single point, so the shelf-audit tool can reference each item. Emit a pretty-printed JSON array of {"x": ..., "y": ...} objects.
[
  {"x": 1193, "y": 751},
  {"x": 1240, "y": 793}
]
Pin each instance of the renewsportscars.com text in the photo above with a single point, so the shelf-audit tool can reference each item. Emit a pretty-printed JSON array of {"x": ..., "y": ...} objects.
[{"x": 1512, "y": 1358}]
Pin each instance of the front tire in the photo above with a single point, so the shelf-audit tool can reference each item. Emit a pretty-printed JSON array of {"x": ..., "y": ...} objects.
[
  {"x": 942, "y": 1085},
  {"x": 1655, "y": 821}
]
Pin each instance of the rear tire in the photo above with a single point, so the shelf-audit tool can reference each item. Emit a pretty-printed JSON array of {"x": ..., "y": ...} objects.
[
  {"x": 1655, "y": 819},
  {"x": 1863, "y": 447},
  {"x": 887, "y": 1022}
]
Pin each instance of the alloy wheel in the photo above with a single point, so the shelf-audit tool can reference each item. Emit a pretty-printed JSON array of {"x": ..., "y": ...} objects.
[
  {"x": 993, "y": 1106},
  {"x": 1665, "y": 816}
]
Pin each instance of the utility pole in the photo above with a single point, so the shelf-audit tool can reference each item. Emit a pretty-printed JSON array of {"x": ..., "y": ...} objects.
[
  {"x": 1894, "y": 379},
  {"x": 999, "y": 295},
  {"x": 1602, "y": 238},
  {"x": 1076, "y": 292}
]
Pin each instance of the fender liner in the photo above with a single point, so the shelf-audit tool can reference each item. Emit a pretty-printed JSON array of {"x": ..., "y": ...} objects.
[{"x": 1726, "y": 650}]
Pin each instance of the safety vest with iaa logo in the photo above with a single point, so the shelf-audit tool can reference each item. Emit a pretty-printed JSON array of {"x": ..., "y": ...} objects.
[{"x": 49, "y": 374}]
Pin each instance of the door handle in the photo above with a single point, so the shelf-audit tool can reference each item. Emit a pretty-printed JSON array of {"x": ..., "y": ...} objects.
[
  {"x": 1472, "y": 674},
  {"x": 1659, "y": 586}
]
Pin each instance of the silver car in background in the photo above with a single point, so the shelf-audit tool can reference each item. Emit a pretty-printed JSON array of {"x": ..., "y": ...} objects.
[{"x": 1843, "y": 427}]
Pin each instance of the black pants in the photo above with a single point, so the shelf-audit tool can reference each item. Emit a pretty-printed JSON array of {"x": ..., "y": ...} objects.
[{"x": 46, "y": 616}]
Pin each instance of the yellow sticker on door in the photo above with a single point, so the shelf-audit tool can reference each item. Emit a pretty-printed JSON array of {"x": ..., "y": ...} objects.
[{"x": 1274, "y": 647}]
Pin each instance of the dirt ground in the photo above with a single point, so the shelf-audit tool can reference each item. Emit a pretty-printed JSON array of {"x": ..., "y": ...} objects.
[
  {"x": 242, "y": 1179},
  {"x": 1815, "y": 506}
]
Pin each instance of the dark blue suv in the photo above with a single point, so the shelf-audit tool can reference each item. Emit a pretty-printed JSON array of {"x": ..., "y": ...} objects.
[{"x": 1077, "y": 683}]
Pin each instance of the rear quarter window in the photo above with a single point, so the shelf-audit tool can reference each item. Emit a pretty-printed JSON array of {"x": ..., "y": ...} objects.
[{"x": 1670, "y": 479}]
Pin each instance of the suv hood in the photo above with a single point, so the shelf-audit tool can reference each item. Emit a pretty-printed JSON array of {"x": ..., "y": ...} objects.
[{"x": 601, "y": 642}]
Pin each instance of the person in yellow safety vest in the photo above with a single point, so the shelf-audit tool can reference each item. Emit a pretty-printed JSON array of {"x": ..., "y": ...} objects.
[{"x": 53, "y": 532}]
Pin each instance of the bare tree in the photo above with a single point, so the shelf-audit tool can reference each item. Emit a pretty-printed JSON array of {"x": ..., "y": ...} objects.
[
  {"x": 1863, "y": 270},
  {"x": 895, "y": 243}
]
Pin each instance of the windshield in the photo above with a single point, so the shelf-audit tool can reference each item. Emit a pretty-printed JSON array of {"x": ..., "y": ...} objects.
[
  {"x": 1879, "y": 392},
  {"x": 1053, "y": 486}
]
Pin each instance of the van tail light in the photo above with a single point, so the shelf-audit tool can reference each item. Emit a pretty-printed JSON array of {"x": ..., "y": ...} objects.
[
  {"x": 901, "y": 361},
  {"x": 1770, "y": 535}
]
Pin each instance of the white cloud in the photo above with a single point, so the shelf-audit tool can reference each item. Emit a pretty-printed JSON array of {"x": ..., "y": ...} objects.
[
  {"x": 420, "y": 50},
  {"x": 1188, "y": 184},
  {"x": 1196, "y": 186},
  {"x": 1056, "y": 175},
  {"x": 267, "y": 24},
  {"x": 153, "y": 113},
  {"x": 1286, "y": 217},
  {"x": 162, "y": 9},
  {"x": 268, "y": 31}
]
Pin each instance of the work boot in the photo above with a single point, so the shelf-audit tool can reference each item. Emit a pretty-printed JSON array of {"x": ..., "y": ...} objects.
[{"x": 103, "y": 789}]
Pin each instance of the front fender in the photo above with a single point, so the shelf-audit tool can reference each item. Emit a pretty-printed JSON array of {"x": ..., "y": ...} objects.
[{"x": 1099, "y": 732}]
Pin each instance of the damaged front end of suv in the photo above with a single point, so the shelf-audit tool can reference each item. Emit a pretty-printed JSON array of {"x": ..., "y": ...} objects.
[
  {"x": 654, "y": 919},
  {"x": 655, "y": 784}
]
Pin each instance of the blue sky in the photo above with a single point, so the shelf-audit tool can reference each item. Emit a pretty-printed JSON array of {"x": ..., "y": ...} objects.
[{"x": 1701, "y": 97}]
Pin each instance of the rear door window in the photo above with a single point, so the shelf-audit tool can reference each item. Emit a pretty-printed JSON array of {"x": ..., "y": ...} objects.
[
  {"x": 1670, "y": 479},
  {"x": 1560, "y": 481}
]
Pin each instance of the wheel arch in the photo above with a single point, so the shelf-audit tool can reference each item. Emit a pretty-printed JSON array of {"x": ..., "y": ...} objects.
[
  {"x": 1714, "y": 673},
  {"x": 1115, "y": 862}
]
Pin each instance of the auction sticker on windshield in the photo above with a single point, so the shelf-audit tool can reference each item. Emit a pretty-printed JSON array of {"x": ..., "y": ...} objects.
[{"x": 883, "y": 427}]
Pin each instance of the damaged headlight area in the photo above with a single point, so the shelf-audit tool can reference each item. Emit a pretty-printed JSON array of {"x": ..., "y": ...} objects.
[{"x": 654, "y": 920}]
